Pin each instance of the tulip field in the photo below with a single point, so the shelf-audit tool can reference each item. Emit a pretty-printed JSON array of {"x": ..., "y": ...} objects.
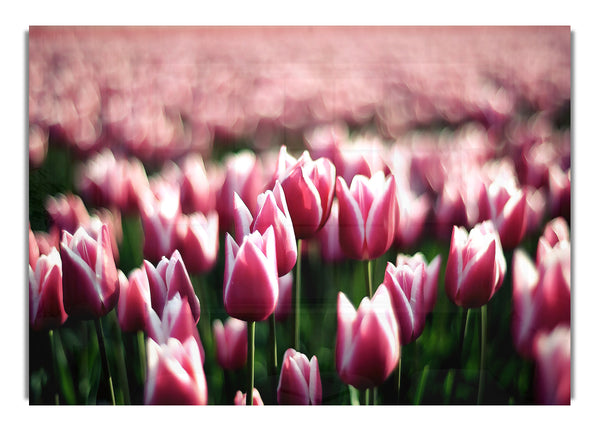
[{"x": 299, "y": 215}]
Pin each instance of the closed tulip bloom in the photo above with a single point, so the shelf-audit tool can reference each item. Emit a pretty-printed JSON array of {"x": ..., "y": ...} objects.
[
  {"x": 46, "y": 310},
  {"x": 311, "y": 183},
  {"x": 250, "y": 285},
  {"x": 559, "y": 191},
  {"x": 553, "y": 366},
  {"x": 198, "y": 237},
  {"x": 300, "y": 380},
  {"x": 90, "y": 278},
  {"x": 367, "y": 348},
  {"x": 284, "y": 300},
  {"x": 412, "y": 213},
  {"x": 134, "y": 301},
  {"x": 240, "y": 398},
  {"x": 506, "y": 205},
  {"x": 432, "y": 271},
  {"x": 476, "y": 265},
  {"x": 196, "y": 192},
  {"x": 367, "y": 215},
  {"x": 329, "y": 237},
  {"x": 175, "y": 375},
  {"x": 232, "y": 343},
  {"x": 406, "y": 287}
]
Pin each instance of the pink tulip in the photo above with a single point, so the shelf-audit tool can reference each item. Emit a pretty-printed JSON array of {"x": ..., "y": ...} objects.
[
  {"x": 67, "y": 212},
  {"x": 406, "y": 288},
  {"x": 250, "y": 285},
  {"x": 47, "y": 240},
  {"x": 240, "y": 398},
  {"x": 284, "y": 301},
  {"x": 559, "y": 187},
  {"x": 38, "y": 145},
  {"x": 175, "y": 375},
  {"x": 311, "y": 184},
  {"x": 198, "y": 238},
  {"x": 134, "y": 301},
  {"x": 367, "y": 215},
  {"x": 555, "y": 232},
  {"x": 476, "y": 265},
  {"x": 272, "y": 211},
  {"x": 159, "y": 213},
  {"x": 329, "y": 237},
  {"x": 300, "y": 380},
  {"x": 553, "y": 366},
  {"x": 450, "y": 209},
  {"x": 46, "y": 309},
  {"x": 168, "y": 278},
  {"x": 430, "y": 286},
  {"x": 367, "y": 348},
  {"x": 197, "y": 194},
  {"x": 231, "y": 342},
  {"x": 505, "y": 204},
  {"x": 90, "y": 278},
  {"x": 34, "y": 250},
  {"x": 412, "y": 214}
]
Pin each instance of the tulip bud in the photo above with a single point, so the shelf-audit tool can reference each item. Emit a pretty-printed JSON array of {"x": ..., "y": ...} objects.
[
  {"x": 300, "y": 380},
  {"x": 90, "y": 278},
  {"x": 134, "y": 301},
  {"x": 240, "y": 398},
  {"x": 367, "y": 215},
  {"x": 250, "y": 285},
  {"x": 232, "y": 343},
  {"x": 175, "y": 375},
  {"x": 476, "y": 265},
  {"x": 553, "y": 366},
  {"x": 198, "y": 238},
  {"x": 46, "y": 310},
  {"x": 406, "y": 287},
  {"x": 367, "y": 348}
]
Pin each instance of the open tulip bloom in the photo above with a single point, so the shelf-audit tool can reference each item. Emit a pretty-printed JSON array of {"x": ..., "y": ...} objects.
[
  {"x": 367, "y": 215},
  {"x": 367, "y": 348},
  {"x": 300, "y": 380},
  {"x": 476, "y": 265}
]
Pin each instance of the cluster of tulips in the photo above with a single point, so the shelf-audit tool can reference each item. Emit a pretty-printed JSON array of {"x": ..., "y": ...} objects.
[{"x": 142, "y": 254}]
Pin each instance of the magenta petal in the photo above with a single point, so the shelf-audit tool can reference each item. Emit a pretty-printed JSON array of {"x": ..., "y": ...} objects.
[
  {"x": 178, "y": 280},
  {"x": 478, "y": 281},
  {"x": 380, "y": 226},
  {"x": 305, "y": 206},
  {"x": 351, "y": 222},
  {"x": 314, "y": 386}
]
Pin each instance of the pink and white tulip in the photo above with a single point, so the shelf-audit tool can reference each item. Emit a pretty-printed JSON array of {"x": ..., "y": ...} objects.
[
  {"x": 198, "y": 238},
  {"x": 552, "y": 353},
  {"x": 432, "y": 271},
  {"x": 134, "y": 301},
  {"x": 46, "y": 309},
  {"x": 240, "y": 398},
  {"x": 300, "y": 380},
  {"x": 231, "y": 343}
]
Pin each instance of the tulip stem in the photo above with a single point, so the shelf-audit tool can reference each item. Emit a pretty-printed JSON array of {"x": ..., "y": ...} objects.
[
  {"x": 368, "y": 277},
  {"x": 249, "y": 394},
  {"x": 273, "y": 343},
  {"x": 399, "y": 375},
  {"x": 102, "y": 347},
  {"x": 482, "y": 357},
  {"x": 54, "y": 367},
  {"x": 142, "y": 354},
  {"x": 297, "y": 298},
  {"x": 367, "y": 396}
]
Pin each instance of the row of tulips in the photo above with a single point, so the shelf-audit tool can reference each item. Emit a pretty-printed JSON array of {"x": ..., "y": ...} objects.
[{"x": 161, "y": 302}]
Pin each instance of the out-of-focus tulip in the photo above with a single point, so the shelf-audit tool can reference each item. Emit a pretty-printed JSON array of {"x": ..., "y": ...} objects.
[
  {"x": 67, "y": 212},
  {"x": 553, "y": 366},
  {"x": 367, "y": 348},
  {"x": 284, "y": 300},
  {"x": 196, "y": 192},
  {"x": 46, "y": 309},
  {"x": 329, "y": 237},
  {"x": 411, "y": 216},
  {"x": 272, "y": 211},
  {"x": 554, "y": 286},
  {"x": 159, "y": 216},
  {"x": 198, "y": 237},
  {"x": 47, "y": 240},
  {"x": 90, "y": 278},
  {"x": 112, "y": 219},
  {"x": 450, "y": 210},
  {"x": 168, "y": 278},
  {"x": 309, "y": 186},
  {"x": 134, "y": 301},
  {"x": 175, "y": 375},
  {"x": 555, "y": 231},
  {"x": 34, "y": 250},
  {"x": 232, "y": 343},
  {"x": 476, "y": 265},
  {"x": 250, "y": 285},
  {"x": 406, "y": 288},
  {"x": 432, "y": 271},
  {"x": 367, "y": 215},
  {"x": 300, "y": 380},
  {"x": 505, "y": 205},
  {"x": 559, "y": 191},
  {"x": 240, "y": 398},
  {"x": 38, "y": 145},
  {"x": 536, "y": 208}
]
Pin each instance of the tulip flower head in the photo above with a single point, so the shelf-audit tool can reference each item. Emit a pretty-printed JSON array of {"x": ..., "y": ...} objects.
[
  {"x": 300, "y": 380},
  {"x": 90, "y": 278},
  {"x": 329, "y": 237},
  {"x": 198, "y": 238},
  {"x": 250, "y": 285},
  {"x": 367, "y": 215},
  {"x": 367, "y": 348},
  {"x": 476, "y": 265},
  {"x": 46, "y": 310},
  {"x": 232, "y": 343},
  {"x": 553, "y": 366},
  {"x": 175, "y": 375},
  {"x": 432, "y": 271},
  {"x": 134, "y": 301}
]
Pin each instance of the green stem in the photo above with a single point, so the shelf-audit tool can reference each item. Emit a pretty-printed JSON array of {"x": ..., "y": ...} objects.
[
  {"x": 142, "y": 355},
  {"x": 297, "y": 298},
  {"x": 368, "y": 277},
  {"x": 482, "y": 357},
  {"x": 421, "y": 389},
  {"x": 399, "y": 376},
  {"x": 273, "y": 343},
  {"x": 249, "y": 393},
  {"x": 100, "y": 335},
  {"x": 54, "y": 367},
  {"x": 367, "y": 397}
]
